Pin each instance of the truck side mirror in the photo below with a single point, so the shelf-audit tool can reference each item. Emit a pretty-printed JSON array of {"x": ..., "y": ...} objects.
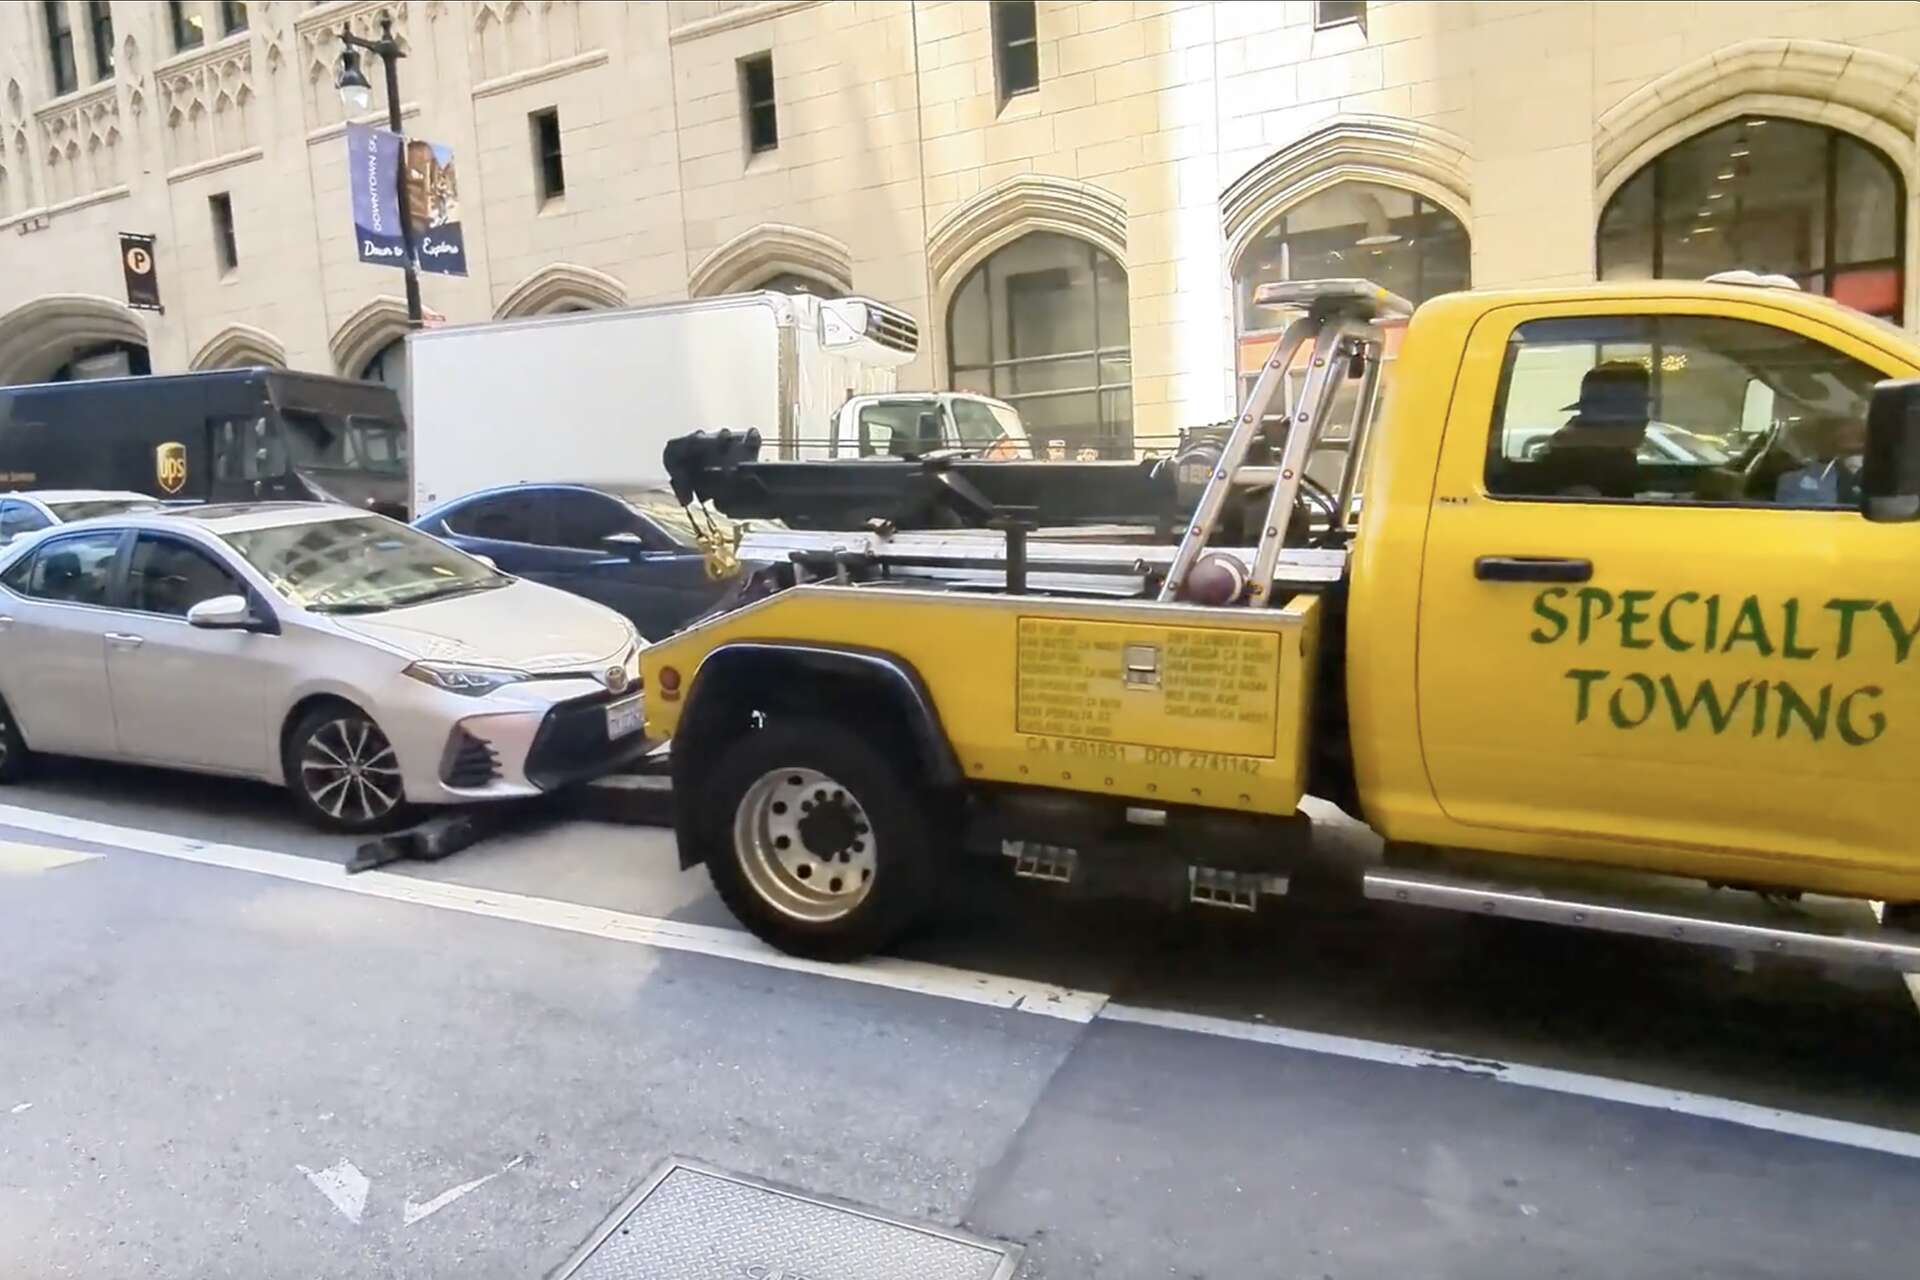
[{"x": 1890, "y": 476}]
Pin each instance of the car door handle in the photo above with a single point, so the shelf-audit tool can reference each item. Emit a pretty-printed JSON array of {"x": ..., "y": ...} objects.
[
  {"x": 121, "y": 640},
  {"x": 1532, "y": 569}
]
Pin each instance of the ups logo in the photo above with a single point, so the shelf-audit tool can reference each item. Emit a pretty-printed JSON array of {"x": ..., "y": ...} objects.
[{"x": 170, "y": 467}]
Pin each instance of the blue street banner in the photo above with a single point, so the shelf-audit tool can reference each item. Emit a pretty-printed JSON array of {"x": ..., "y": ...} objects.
[
  {"x": 433, "y": 206},
  {"x": 373, "y": 172}
]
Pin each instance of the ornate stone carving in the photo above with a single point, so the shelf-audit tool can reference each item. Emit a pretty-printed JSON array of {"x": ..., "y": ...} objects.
[
  {"x": 80, "y": 141},
  {"x": 206, "y": 103}
]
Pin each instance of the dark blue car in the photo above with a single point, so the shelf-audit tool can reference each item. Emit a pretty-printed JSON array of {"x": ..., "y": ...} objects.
[{"x": 633, "y": 552}]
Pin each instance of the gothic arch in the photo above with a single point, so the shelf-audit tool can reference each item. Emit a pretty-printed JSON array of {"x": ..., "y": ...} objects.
[
  {"x": 37, "y": 337},
  {"x": 1416, "y": 157},
  {"x": 1003, "y": 213},
  {"x": 561, "y": 287},
  {"x": 1873, "y": 95},
  {"x": 240, "y": 346},
  {"x": 361, "y": 336},
  {"x": 771, "y": 249}
]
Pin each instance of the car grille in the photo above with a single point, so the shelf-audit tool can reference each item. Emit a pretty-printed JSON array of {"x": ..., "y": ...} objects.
[
  {"x": 572, "y": 744},
  {"x": 468, "y": 761}
]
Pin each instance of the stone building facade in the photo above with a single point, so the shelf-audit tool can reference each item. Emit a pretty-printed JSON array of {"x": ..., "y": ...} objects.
[{"x": 1074, "y": 198}]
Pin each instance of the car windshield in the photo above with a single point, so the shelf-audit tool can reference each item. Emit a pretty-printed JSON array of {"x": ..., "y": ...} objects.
[
  {"x": 87, "y": 508},
  {"x": 362, "y": 564},
  {"x": 326, "y": 442},
  {"x": 980, "y": 423}
]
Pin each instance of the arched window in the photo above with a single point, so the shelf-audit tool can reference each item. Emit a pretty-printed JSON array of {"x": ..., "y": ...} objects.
[
  {"x": 1771, "y": 195},
  {"x": 105, "y": 360},
  {"x": 1395, "y": 238},
  {"x": 388, "y": 365},
  {"x": 1042, "y": 324}
]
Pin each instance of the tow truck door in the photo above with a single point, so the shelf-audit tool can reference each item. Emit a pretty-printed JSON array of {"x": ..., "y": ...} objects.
[{"x": 1721, "y": 655}]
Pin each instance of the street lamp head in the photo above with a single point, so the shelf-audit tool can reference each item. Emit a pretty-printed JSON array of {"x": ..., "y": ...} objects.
[{"x": 351, "y": 81}]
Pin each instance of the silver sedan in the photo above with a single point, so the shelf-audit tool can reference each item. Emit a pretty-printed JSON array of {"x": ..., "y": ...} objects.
[{"x": 365, "y": 666}]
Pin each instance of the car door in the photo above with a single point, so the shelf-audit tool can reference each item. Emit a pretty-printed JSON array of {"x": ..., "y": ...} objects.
[
  {"x": 1717, "y": 657},
  {"x": 182, "y": 695},
  {"x": 603, "y": 550},
  {"x": 54, "y": 617}
]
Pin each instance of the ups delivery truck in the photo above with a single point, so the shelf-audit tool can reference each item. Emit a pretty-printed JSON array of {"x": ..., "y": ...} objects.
[{"x": 231, "y": 435}]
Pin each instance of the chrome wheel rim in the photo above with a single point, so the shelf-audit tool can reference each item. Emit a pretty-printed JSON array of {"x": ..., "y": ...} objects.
[
  {"x": 349, "y": 771},
  {"x": 806, "y": 845}
]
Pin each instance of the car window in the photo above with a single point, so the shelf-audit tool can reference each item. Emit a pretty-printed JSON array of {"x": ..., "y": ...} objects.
[
  {"x": 506, "y": 517},
  {"x": 1697, "y": 409},
  {"x": 167, "y": 576},
  {"x": 75, "y": 570},
  {"x": 585, "y": 521},
  {"x": 363, "y": 564},
  {"x": 18, "y": 517},
  {"x": 88, "y": 508}
]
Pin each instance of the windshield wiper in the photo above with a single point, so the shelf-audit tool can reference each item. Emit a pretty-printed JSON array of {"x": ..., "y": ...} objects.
[
  {"x": 358, "y": 606},
  {"x": 448, "y": 591}
]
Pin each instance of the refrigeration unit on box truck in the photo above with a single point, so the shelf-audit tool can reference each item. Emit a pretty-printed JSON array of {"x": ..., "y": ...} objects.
[{"x": 593, "y": 397}]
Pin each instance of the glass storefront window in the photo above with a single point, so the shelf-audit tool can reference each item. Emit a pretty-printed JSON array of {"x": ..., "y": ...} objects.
[
  {"x": 1769, "y": 195},
  {"x": 1042, "y": 324}
]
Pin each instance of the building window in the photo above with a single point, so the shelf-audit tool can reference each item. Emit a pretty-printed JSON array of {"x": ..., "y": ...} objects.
[
  {"x": 388, "y": 367},
  {"x": 189, "y": 29},
  {"x": 233, "y": 16},
  {"x": 1331, "y": 13},
  {"x": 60, "y": 46},
  {"x": 1016, "y": 47},
  {"x": 547, "y": 161},
  {"x": 1042, "y": 324},
  {"x": 1770, "y": 195},
  {"x": 100, "y": 36},
  {"x": 225, "y": 248},
  {"x": 756, "y": 103},
  {"x": 1392, "y": 237}
]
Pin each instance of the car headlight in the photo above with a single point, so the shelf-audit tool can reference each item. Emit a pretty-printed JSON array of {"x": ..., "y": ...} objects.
[{"x": 457, "y": 677}]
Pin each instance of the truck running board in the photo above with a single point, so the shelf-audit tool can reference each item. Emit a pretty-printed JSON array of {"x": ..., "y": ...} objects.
[
  {"x": 1810, "y": 928},
  {"x": 1231, "y": 890}
]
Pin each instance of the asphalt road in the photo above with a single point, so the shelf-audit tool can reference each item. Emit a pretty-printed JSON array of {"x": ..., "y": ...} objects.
[{"x": 184, "y": 1040}]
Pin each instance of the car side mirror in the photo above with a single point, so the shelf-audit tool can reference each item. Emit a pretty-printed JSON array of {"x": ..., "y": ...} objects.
[
  {"x": 485, "y": 560},
  {"x": 626, "y": 542},
  {"x": 1890, "y": 476},
  {"x": 222, "y": 613}
]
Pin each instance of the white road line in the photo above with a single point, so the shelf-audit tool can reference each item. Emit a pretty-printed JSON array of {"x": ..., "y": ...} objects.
[
  {"x": 412, "y": 1213},
  {"x": 900, "y": 975},
  {"x": 1679, "y": 1101},
  {"x": 938, "y": 980}
]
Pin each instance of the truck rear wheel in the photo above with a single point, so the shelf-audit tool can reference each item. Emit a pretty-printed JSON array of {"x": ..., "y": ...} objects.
[{"x": 816, "y": 841}]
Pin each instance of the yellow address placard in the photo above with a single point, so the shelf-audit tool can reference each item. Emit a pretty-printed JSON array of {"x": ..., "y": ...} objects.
[{"x": 1189, "y": 688}]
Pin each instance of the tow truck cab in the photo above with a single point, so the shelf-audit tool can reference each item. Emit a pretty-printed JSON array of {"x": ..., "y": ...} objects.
[{"x": 1580, "y": 655}]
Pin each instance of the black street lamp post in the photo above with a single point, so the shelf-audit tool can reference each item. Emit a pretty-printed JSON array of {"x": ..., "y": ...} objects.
[{"x": 351, "y": 81}]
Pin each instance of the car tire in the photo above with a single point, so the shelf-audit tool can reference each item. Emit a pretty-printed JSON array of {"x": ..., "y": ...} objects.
[
  {"x": 816, "y": 841},
  {"x": 342, "y": 772},
  {"x": 15, "y": 759}
]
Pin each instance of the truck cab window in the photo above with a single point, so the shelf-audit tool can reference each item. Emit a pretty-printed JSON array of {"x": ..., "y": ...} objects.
[
  {"x": 169, "y": 577},
  {"x": 246, "y": 448},
  {"x": 1693, "y": 409},
  {"x": 892, "y": 429}
]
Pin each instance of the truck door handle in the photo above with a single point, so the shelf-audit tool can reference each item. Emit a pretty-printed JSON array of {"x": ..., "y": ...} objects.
[
  {"x": 1532, "y": 569},
  {"x": 121, "y": 640}
]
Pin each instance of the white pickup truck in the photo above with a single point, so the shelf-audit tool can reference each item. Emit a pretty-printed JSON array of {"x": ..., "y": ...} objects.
[{"x": 912, "y": 424}]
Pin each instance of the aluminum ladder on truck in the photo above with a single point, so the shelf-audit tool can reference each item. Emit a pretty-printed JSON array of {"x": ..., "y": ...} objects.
[{"x": 1341, "y": 322}]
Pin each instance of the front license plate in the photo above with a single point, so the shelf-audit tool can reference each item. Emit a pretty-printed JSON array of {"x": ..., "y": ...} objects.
[{"x": 623, "y": 718}]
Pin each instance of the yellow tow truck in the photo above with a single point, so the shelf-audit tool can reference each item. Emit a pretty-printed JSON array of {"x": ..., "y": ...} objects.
[{"x": 1626, "y": 635}]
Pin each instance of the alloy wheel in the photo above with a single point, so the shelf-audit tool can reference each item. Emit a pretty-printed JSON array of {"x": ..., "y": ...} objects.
[{"x": 349, "y": 771}]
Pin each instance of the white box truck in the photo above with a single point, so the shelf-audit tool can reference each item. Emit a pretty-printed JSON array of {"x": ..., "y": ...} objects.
[{"x": 593, "y": 397}]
